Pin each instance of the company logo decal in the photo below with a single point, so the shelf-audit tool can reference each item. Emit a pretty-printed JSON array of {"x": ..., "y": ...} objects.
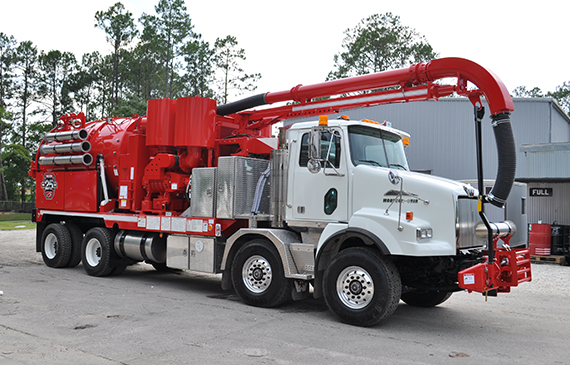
[
  {"x": 394, "y": 178},
  {"x": 399, "y": 197},
  {"x": 49, "y": 185}
]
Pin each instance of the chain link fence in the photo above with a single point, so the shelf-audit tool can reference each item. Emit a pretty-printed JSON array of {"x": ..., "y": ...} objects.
[{"x": 16, "y": 206}]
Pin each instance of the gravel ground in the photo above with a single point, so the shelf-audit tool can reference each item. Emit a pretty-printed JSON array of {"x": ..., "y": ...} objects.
[
  {"x": 63, "y": 316},
  {"x": 16, "y": 249}
]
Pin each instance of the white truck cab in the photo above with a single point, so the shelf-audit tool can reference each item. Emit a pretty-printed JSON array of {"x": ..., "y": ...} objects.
[{"x": 364, "y": 184}]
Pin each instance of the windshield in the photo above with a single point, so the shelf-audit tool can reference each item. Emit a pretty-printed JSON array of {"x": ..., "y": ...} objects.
[{"x": 372, "y": 146}]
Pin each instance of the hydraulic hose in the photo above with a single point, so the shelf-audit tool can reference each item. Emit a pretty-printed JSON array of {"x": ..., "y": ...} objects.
[
  {"x": 506, "y": 150},
  {"x": 242, "y": 104}
]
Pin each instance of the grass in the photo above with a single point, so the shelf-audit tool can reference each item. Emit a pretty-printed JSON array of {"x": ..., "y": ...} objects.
[{"x": 12, "y": 221}]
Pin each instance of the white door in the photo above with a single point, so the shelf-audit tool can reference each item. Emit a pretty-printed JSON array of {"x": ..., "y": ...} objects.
[{"x": 321, "y": 196}]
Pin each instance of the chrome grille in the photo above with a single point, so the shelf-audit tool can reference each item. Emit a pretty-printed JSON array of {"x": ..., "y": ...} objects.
[{"x": 467, "y": 218}]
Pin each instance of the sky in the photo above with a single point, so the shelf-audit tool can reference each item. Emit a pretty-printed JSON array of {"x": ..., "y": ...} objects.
[{"x": 294, "y": 43}]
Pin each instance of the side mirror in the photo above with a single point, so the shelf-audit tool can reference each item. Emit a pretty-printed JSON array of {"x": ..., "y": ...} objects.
[
  {"x": 315, "y": 145},
  {"x": 314, "y": 164}
]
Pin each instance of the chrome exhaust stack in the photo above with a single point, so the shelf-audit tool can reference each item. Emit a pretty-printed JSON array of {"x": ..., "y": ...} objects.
[
  {"x": 84, "y": 146},
  {"x": 85, "y": 159},
  {"x": 81, "y": 134}
]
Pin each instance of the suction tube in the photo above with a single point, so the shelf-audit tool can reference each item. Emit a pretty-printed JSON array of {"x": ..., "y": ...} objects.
[{"x": 506, "y": 151}]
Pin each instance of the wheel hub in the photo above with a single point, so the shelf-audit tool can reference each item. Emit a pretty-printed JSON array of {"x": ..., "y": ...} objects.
[
  {"x": 93, "y": 252},
  {"x": 50, "y": 246},
  {"x": 257, "y": 274},
  {"x": 355, "y": 287}
]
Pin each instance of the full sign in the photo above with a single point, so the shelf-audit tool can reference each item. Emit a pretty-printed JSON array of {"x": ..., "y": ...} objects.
[{"x": 541, "y": 192}]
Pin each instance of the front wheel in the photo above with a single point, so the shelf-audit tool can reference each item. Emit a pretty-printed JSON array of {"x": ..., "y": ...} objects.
[
  {"x": 258, "y": 276},
  {"x": 361, "y": 287},
  {"x": 425, "y": 299}
]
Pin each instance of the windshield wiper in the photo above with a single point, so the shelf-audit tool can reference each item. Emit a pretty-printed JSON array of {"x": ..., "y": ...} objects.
[
  {"x": 370, "y": 161},
  {"x": 398, "y": 165}
]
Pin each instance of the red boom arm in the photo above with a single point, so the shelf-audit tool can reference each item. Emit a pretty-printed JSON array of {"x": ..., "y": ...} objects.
[{"x": 412, "y": 83}]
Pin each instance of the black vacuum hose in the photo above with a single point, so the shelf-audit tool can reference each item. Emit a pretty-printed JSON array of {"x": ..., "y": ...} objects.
[
  {"x": 506, "y": 150},
  {"x": 242, "y": 104}
]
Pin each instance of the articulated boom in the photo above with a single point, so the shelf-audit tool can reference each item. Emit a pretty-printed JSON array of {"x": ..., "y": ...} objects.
[{"x": 415, "y": 83}]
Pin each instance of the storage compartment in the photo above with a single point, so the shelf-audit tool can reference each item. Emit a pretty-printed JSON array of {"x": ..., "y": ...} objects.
[
  {"x": 197, "y": 253},
  {"x": 203, "y": 254}
]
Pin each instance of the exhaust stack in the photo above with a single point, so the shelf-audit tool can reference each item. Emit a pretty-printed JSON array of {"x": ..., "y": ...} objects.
[
  {"x": 85, "y": 159},
  {"x": 81, "y": 134},
  {"x": 84, "y": 146}
]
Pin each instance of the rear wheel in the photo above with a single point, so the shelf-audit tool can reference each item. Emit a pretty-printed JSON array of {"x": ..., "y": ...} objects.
[
  {"x": 258, "y": 276},
  {"x": 97, "y": 252},
  {"x": 76, "y": 241},
  {"x": 361, "y": 287},
  {"x": 56, "y": 245},
  {"x": 425, "y": 298}
]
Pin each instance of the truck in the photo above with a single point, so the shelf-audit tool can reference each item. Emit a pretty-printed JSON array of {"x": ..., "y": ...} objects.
[{"x": 328, "y": 209}]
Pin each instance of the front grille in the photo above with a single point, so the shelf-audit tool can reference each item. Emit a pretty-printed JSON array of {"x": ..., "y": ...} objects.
[{"x": 467, "y": 218}]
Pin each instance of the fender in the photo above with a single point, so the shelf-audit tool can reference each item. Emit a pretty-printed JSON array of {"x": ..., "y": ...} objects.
[
  {"x": 295, "y": 256},
  {"x": 331, "y": 242},
  {"x": 404, "y": 242}
]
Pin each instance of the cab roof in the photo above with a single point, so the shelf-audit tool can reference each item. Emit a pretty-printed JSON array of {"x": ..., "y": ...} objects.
[{"x": 344, "y": 123}]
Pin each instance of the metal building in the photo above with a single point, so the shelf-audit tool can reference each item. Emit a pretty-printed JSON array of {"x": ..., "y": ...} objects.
[
  {"x": 548, "y": 180},
  {"x": 443, "y": 133}
]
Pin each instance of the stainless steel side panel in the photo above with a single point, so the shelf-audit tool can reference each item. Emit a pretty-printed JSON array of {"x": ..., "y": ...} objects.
[
  {"x": 237, "y": 181},
  {"x": 177, "y": 249},
  {"x": 202, "y": 254},
  {"x": 300, "y": 259},
  {"x": 279, "y": 174},
  {"x": 203, "y": 201}
]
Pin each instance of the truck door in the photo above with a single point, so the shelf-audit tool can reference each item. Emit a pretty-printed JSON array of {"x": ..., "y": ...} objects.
[{"x": 320, "y": 196}]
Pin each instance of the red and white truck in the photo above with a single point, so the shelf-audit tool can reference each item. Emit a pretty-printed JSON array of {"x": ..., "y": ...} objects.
[{"x": 329, "y": 208}]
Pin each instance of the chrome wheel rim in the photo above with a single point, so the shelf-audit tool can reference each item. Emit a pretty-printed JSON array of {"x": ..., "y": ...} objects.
[
  {"x": 355, "y": 287},
  {"x": 257, "y": 274}
]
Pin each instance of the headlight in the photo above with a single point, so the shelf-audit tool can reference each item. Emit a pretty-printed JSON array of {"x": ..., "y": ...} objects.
[{"x": 424, "y": 233}]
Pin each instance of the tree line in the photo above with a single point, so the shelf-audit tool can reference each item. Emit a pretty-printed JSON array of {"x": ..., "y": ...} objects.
[{"x": 161, "y": 56}]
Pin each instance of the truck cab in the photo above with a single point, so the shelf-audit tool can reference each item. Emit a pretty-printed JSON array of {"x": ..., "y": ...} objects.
[{"x": 361, "y": 182}]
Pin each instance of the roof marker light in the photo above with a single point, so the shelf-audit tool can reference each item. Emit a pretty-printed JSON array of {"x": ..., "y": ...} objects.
[
  {"x": 369, "y": 121},
  {"x": 323, "y": 120}
]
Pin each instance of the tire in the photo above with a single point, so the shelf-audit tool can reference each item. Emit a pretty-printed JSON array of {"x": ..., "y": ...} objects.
[
  {"x": 97, "y": 252},
  {"x": 258, "y": 276},
  {"x": 56, "y": 245},
  {"x": 118, "y": 270},
  {"x": 76, "y": 241},
  {"x": 425, "y": 299},
  {"x": 361, "y": 287}
]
